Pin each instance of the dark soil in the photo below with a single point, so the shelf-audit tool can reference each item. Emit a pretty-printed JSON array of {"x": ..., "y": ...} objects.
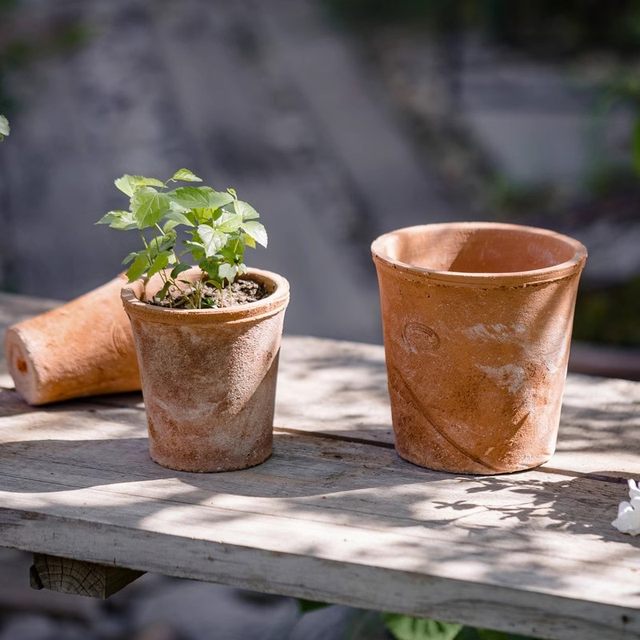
[{"x": 242, "y": 291}]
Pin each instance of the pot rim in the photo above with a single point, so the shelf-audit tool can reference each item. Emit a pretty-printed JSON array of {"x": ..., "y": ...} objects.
[
  {"x": 275, "y": 302},
  {"x": 486, "y": 278}
]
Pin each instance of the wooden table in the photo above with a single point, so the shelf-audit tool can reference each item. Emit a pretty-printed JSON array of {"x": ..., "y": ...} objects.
[{"x": 335, "y": 515}]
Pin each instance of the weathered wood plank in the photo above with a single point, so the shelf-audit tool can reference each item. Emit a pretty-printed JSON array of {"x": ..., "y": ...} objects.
[
  {"x": 353, "y": 582},
  {"x": 335, "y": 515},
  {"x": 325, "y": 519},
  {"x": 344, "y": 387},
  {"x": 67, "y": 575},
  {"x": 17, "y": 596}
]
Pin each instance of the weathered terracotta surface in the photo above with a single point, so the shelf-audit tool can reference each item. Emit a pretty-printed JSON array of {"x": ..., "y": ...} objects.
[
  {"x": 209, "y": 376},
  {"x": 477, "y": 324},
  {"x": 82, "y": 348}
]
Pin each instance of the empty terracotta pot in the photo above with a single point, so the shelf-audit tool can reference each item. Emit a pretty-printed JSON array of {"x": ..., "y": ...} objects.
[
  {"x": 477, "y": 322},
  {"x": 81, "y": 348},
  {"x": 209, "y": 376}
]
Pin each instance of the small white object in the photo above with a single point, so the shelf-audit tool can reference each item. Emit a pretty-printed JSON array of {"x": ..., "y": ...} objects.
[{"x": 628, "y": 520}]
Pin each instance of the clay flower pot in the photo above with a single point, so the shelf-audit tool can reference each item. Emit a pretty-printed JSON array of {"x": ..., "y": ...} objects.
[
  {"x": 477, "y": 322},
  {"x": 209, "y": 376},
  {"x": 81, "y": 348}
]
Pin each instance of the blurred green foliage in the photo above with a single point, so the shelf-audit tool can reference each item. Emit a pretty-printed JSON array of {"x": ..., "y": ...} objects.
[
  {"x": 548, "y": 27},
  {"x": 17, "y": 50},
  {"x": 508, "y": 198},
  {"x": 611, "y": 179},
  {"x": 609, "y": 314},
  {"x": 626, "y": 90},
  {"x": 402, "y": 627}
]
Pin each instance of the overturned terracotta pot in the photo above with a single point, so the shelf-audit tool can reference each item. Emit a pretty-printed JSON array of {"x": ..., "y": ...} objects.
[
  {"x": 477, "y": 322},
  {"x": 209, "y": 375},
  {"x": 81, "y": 348}
]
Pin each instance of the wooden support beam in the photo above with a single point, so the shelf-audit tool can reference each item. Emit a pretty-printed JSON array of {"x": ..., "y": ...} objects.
[{"x": 77, "y": 577}]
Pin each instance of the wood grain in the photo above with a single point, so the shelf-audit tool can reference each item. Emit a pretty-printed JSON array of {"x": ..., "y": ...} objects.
[
  {"x": 319, "y": 501},
  {"x": 335, "y": 515},
  {"x": 79, "y": 578}
]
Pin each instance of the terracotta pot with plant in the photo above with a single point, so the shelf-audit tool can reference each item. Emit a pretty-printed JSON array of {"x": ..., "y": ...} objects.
[
  {"x": 207, "y": 336},
  {"x": 477, "y": 322}
]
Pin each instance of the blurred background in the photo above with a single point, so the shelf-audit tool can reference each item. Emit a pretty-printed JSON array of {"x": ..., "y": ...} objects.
[{"x": 339, "y": 120}]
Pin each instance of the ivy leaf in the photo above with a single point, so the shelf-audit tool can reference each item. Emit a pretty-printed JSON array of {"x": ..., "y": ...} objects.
[
  {"x": 212, "y": 239},
  {"x": 215, "y": 228},
  {"x": 210, "y": 266},
  {"x": 165, "y": 242},
  {"x": 248, "y": 240},
  {"x": 130, "y": 257},
  {"x": 199, "y": 197},
  {"x": 125, "y": 185},
  {"x": 159, "y": 263},
  {"x": 5, "y": 129},
  {"x": 233, "y": 251},
  {"x": 149, "y": 206},
  {"x": 200, "y": 214},
  {"x": 228, "y": 222},
  {"x": 195, "y": 248},
  {"x": 129, "y": 184},
  {"x": 227, "y": 271},
  {"x": 138, "y": 267},
  {"x": 141, "y": 181},
  {"x": 122, "y": 220},
  {"x": 256, "y": 230},
  {"x": 162, "y": 294},
  {"x": 245, "y": 210},
  {"x": 218, "y": 199},
  {"x": 179, "y": 218},
  {"x": 185, "y": 175},
  {"x": 181, "y": 267},
  {"x": 191, "y": 197},
  {"x": 407, "y": 628}
]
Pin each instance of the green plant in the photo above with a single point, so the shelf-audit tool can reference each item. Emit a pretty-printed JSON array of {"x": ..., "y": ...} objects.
[
  {"x": 212, "y": 227},
  {"x": 626, "y": 90},
  {"x": 545, "y": 27},
  {"x": 408, "y": 628},
  {"x": 403, "y": 627},
  {"x": 4, "y": 128},
  {"x": 609, "y": 314}
]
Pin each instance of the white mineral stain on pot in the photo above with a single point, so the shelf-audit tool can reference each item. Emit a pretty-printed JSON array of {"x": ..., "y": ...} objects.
[
  {"x": 497, "y": 332},
  {"x": 508, "y": 376}
]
